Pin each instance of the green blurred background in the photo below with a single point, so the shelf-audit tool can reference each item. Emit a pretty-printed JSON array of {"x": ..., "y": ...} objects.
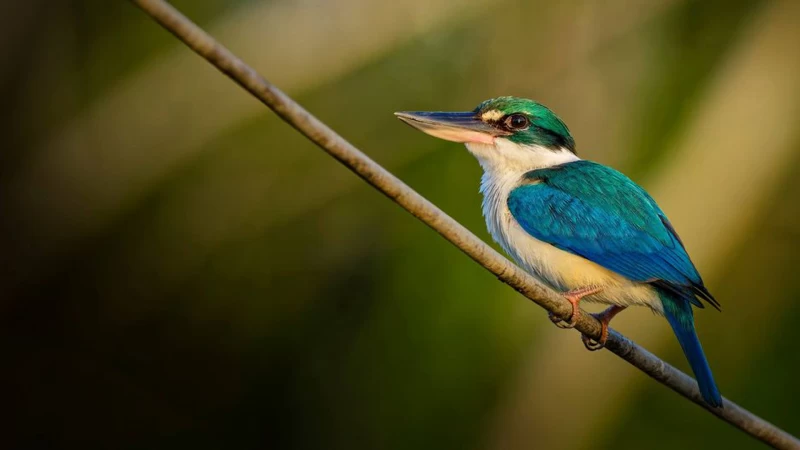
[{"x": 183, "y": 270}]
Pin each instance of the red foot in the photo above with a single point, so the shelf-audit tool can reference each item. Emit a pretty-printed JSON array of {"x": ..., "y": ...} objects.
[
  {"x": 604, "y": 318},
  {"x": 574, "y": 297}
]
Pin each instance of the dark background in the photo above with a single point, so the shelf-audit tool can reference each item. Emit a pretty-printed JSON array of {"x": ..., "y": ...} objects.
[{"x": 180, "y": 269}]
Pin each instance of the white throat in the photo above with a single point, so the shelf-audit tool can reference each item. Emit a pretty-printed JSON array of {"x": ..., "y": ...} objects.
[
  {"x": 505, "y": 156},
  {"x": 504, "y": 163}
]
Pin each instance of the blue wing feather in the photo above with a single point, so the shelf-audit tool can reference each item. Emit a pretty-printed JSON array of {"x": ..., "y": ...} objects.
[{"x": 600, "y": 214}]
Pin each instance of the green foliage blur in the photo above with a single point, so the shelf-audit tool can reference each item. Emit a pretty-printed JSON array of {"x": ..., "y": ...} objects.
[{"x": 183, "y": 270}]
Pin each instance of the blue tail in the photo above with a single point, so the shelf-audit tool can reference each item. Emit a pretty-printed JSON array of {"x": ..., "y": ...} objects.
[{"x": 680, "y": 316}]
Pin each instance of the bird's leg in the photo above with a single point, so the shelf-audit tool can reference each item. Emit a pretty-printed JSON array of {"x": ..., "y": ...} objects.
[
  {"x": 604, "y": 318},
  {"x": 574, "y": 298}
]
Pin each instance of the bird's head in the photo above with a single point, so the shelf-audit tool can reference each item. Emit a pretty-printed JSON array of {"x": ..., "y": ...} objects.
[{"x": 502, "y": 131}]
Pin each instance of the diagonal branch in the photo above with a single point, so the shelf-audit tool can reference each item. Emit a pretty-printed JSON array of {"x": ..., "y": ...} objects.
[{"x": 382, "y": 180}]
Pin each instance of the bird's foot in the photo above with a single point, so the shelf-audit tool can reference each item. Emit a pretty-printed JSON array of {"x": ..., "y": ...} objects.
[
  {"x": 574, "y": 298},
  {"x": 604, "y": 318}
]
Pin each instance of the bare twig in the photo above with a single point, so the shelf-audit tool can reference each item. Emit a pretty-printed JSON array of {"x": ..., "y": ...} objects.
[{"x": 204, "y": 45}]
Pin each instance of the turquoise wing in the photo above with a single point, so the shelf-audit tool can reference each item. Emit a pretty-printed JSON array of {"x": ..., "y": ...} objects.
[{"x": 598, "y": 213}]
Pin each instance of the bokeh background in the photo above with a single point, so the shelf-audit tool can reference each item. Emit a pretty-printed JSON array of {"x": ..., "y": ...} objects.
[{"x": 180, "y": 269}]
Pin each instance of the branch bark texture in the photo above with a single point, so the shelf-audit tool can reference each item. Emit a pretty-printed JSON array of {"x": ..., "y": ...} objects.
[{"x": 381, "y": 179}]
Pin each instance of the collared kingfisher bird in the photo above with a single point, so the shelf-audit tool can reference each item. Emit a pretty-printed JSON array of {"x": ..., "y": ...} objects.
[{"x": 581, "y": 228}]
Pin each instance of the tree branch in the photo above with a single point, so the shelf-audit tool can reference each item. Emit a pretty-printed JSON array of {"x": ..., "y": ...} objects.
[{"x": 381, "y": 179}]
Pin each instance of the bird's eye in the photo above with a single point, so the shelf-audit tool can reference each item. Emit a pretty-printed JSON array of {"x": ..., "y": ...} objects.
[{"x": 517, "y": 121}]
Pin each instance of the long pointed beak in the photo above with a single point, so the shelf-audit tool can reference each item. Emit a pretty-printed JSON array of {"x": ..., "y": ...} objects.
[{"x": 462, "y": 127}]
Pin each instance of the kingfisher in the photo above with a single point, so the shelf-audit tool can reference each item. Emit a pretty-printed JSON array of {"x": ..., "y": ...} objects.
[{"x": 579, "y": 227}]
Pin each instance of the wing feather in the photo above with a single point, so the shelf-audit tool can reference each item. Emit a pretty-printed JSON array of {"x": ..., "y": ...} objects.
[{"x": 600, "y": 214}]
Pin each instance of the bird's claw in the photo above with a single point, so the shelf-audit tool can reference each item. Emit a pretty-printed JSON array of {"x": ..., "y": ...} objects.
[
  {"x": 564, "y": 324},
  {"x": 573, "y": 297},
  {"x": 604, "y": 318},
  {"x": 591, "y": 344}
]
